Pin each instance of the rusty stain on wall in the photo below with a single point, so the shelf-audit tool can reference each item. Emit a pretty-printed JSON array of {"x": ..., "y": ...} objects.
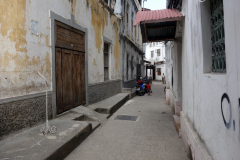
[
  {"x": 99, "y": 21},
  {"x": 48, "y": 65},
  {"x": 94, "y": 62},
  {"x": 116, "y": 51},
  {"x": 73, "y": 4},
  {"x": 47, "y": 41},
  {"x": 17, "y": 63},
  {"x": 13, "y": 14}
]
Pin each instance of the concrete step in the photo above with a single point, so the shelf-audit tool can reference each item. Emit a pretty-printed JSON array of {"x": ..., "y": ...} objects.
[
  {"x": 177, "y": 124},
  {"x": 90, "y": 113},
  {"x": 31, "y": 144},
  {"x": 110, "y": 105},
  {"x": 72, "y": 128},
  {"x": 76, "y": 116}
]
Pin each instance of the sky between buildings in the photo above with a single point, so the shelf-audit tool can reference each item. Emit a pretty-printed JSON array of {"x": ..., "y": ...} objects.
[{"x": 155, "y": 4}]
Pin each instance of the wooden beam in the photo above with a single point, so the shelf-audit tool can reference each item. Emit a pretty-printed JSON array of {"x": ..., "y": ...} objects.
[
  {"x": 161, "y": 27},
  {"x": 146, "y": 33}
]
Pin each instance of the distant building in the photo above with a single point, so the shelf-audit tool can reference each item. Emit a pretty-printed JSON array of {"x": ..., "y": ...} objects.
[
  {"x": 155, "y": 53},
  {"x": 131, "y": 43}
]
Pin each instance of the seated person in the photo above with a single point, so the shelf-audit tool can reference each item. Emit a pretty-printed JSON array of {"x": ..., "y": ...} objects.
[{"x": 139, "y": 82}]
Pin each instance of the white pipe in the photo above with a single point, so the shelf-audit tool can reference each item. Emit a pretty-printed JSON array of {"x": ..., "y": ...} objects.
[{"x": 46, "y": 98}]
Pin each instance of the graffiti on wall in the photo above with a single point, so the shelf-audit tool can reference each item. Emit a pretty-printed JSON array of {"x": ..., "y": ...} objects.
[{"x": 230, "y": 120}]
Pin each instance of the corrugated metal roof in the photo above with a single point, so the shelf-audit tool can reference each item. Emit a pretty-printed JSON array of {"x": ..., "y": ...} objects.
[
  {"x": 158, "y": 16},
  {"x": 162, "y": 33}
]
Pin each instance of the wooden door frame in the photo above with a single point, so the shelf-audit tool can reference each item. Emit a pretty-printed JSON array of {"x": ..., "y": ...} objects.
[{"x": 70, "y": 22}]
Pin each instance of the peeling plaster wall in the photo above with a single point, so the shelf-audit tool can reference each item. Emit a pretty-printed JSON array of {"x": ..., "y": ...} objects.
[
  {"x": 22, "y": 52},
  {"x": 203, "y": 92},
  {"x": 102, "y": 24}
]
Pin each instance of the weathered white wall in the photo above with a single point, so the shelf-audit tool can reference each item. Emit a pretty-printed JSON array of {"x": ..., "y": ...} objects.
[
  {"x": 129, "y": 51},
  {"x": 168, "y": 64},
  {"x": 173, "y": 69},
  {"x": 202, "y": 92},
  {"x": 22, "y": 53}
]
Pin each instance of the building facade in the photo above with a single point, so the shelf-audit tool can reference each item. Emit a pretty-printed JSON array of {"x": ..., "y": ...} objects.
[
  {"x": 203, "y": 76},
  {"x": 131, "y": 44},
  {"x": 155, "y": 53},
  {"x": 74, "y": 44}
]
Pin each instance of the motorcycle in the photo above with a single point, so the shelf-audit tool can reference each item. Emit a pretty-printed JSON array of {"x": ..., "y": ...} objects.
[{"x": 141, "y": 89}]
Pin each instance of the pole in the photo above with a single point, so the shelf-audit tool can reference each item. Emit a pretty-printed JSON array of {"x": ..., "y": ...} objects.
[{"x": 51, "y": 129}]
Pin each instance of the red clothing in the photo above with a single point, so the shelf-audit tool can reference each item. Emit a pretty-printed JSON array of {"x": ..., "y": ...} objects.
[
  {"x": 139, "y": 81},
  {"x": 148, "y": 87}
]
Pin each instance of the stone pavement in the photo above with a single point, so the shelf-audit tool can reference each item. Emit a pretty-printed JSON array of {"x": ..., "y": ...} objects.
[{"x": 152, "y": 136}]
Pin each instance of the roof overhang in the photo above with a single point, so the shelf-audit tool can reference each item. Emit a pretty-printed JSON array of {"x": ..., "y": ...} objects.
[{"x": 158, "y": 25}]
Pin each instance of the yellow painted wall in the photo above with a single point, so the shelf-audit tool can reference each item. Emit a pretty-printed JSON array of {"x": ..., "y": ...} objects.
[{"x": 22, "y": 53}]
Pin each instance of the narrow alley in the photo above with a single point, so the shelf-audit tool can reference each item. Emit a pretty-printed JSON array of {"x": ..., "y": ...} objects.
[{"x": 152, "y": 136}]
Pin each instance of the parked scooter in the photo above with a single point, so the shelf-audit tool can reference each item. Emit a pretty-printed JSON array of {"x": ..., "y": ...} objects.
[{"x": 141, "y": 89}]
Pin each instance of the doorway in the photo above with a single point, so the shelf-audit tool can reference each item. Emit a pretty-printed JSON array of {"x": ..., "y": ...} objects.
[{"x": 70, "y": 67}]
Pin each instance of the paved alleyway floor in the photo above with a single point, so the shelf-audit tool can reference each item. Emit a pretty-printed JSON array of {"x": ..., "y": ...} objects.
[{"x": 151, "y": 137}]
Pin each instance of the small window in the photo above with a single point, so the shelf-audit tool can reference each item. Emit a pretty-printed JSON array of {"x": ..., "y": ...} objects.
[
  {"x": 135, "y": 35},
  {"x": 159, "y": 71},
  {"x": 132, "y": 25},
  {"x": 106, "y": 62},
  {"x": 152, "y": 53},
  {"x": 158, "y": 52},
  {"x": 127, "y": 19},
  {"x": 132, "y": 67}
]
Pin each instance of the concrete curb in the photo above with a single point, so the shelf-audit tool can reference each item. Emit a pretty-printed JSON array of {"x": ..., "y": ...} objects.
[{"x": 31, "y": 144}]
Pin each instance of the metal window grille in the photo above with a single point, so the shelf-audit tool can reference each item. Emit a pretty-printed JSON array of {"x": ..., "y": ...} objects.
[
  {"x": 158, "y": 52},
  {"x": 218, "y": 37}
]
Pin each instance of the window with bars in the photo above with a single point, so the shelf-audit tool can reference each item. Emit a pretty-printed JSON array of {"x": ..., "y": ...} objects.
[
  {"x": 106, "y": 62},
  {"x": 158, "y": 52},
  {"x": 152, "y": 53},
  {"x": 127, "y": 10},
  {"x": 159, "y": 71},
  {"x": 218, "y": 37}
]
